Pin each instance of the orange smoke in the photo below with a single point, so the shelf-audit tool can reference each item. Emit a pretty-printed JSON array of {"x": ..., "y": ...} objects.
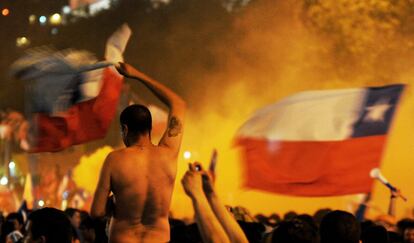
[
  {"x": 86, "y": 173},
  {"x": 279, "y": 53}
]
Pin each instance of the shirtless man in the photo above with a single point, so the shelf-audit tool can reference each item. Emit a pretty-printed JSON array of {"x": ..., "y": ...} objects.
[{"x": 141, "y": 176}]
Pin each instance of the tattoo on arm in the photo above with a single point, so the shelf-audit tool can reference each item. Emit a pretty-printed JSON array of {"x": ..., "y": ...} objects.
[{"x": 174, "y": 127}]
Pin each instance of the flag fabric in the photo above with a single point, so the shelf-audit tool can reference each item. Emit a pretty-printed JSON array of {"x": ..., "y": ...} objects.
[
  {"x": 72, "y": 98},
  {"x": 159, "y": 120},
  {"x": 55, "y": 80},
  {"x": 83, "y": 122},
  {"x": 318, "y": 143}
]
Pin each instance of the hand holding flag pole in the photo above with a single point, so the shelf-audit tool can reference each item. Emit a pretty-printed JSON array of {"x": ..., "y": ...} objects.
[{"x": 376, "y": 174}]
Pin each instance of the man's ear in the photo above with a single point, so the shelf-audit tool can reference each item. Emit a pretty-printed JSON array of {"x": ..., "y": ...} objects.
[{"x": 124, "y": 129}]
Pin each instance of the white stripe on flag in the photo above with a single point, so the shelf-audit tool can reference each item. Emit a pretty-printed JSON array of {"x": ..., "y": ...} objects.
[{"x": 308, "y": 116}]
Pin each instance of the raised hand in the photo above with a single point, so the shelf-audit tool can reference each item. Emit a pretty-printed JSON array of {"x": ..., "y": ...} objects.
[
  {"x": 125, "y": 69},
  {"x": 192, "y": 182}
]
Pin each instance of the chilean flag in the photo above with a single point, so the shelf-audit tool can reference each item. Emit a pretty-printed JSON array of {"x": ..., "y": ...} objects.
[
  {"x": 71, "y": 97},
  {"x": 318, "y": 143},
  {"x": 83, "y": 122}
]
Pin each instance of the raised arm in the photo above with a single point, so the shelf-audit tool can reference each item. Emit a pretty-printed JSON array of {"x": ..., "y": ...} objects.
[
  {"x": 229, "y": 223},
  {"x": 210, "y": 229},
  {"x": 362, "y": 208},
  {"x": 102, "y": 190},
  {"x": 393, "y": 202},
  {"x": 177, "y": 107}
]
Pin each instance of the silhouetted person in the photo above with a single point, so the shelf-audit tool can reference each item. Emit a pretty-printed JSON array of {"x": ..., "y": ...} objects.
[
  {"x": 294, "y": 231},
  {"x": 339, "y": 227},
  {"x": 375, "y": 234},
  {"x": 48, "y": 225}
]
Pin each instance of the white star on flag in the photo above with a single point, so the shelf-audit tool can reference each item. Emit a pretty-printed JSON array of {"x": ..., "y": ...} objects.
[{"x": 376, "y": 113}]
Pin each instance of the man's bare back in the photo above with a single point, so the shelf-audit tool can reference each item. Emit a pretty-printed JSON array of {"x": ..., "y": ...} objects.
[
  {"x": 142, "y": 182},
  {"x": 141, "y": 176}
]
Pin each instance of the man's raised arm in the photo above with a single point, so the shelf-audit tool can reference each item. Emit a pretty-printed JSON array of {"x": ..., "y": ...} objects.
[{"x": 173, "y": 135}]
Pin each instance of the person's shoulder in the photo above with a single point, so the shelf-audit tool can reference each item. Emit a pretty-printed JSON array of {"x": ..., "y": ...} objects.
[
  {"x": 166, "y": 152},
  {"x": 123, "y": 153},
  {"x": 115, "y": 155}
]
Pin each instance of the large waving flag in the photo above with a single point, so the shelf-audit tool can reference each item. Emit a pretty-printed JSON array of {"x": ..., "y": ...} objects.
[
  {"x": 72, "y": 98},
  {"x": 318, "y": 143}
]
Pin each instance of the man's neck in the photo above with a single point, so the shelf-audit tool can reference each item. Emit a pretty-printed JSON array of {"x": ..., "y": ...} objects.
[{"x": 141, "y": 141}]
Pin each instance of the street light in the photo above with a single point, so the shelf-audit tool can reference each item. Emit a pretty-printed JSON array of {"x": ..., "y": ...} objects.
[
  {"x": 187, "y": 155},
  {"x": 22, "y": 41},
  {"x": 41, "y": 203},
  {"x": 5, "y": 12},
  {"x": 66, "y": 9},
  {"x": 4, "y": 181},
  {"x": 55, "y": 19},
  {"x": 32, "y": 19},
  {"x": 42, "y": 20},
  {"x": 12, "y": 165}
]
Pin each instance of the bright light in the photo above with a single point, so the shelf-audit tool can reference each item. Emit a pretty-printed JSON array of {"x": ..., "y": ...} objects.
[
  {"x": 42, "y": 20},
  {"x": 22, "y": 41},
  {"x": 5, "y": 11},
  {"x": 66, "y": 9},
  {"x": 55, "y": 19},
  {"x": 187, "y": 155},
  {"x": 12, "y": 165},
  {"x": 41, "y": 203},
  {"x": 32, "y": 19},
  {"x": 4, "y": 181}
]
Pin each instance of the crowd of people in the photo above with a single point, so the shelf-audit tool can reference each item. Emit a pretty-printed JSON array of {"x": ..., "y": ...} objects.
[{"x": 213, "y": 222}]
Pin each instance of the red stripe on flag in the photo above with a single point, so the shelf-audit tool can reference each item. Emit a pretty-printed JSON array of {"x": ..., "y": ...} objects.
[
  {"x": 311, "y": 168},
  {"x": 83, "y": 122}
]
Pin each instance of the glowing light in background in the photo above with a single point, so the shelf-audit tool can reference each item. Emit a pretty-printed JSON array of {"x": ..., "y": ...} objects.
[
  {"x": 22, "y": 41},
  {"x": 187, "y": 155},
  {"x": 42, "y": 20},
  {"x": 5, "y": 11},
  {"x": 32, "y": 19},
  {"x": 4, "y": 181},
  {"x": 12, "y": 165},
  {"x": 66, "y": 9},
  {"x": 55, "y": 19},
  {"x": 41, "y": 203}
]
